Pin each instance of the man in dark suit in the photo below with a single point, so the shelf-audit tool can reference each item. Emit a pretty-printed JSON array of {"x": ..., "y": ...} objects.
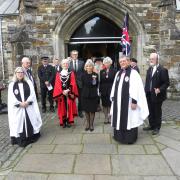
[
  {"x": 56, "y": 65},
  {"x": 157, "y": 82},
  {"x": 46, "y": 77},
  {"x": 26, "y": 65},
  {"x": 78, "y": 67}
]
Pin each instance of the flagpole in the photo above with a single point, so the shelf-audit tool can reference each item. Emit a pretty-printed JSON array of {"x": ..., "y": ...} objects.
[{"x": 126, "y": 49}]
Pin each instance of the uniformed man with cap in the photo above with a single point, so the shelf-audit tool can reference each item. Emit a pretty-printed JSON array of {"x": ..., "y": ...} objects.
[{"x": 46, "y": 76}]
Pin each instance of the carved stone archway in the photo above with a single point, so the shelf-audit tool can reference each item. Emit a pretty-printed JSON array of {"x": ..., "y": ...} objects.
[{"x": 81, "y": 10}]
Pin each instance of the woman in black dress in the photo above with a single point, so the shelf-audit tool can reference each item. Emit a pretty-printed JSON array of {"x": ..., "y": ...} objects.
[
  {"x": 106, "y": 80},
  {"x": 89, "y": 94}
]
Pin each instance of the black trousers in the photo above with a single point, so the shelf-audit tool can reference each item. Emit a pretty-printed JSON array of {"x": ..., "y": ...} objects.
[
  {"x": 79, "y": 100},
  {"x": 44, "y": 92},
  {"x": 155, "y": 113}
]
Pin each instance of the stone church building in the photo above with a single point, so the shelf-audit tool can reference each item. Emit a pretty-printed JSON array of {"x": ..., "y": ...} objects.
[{"x": 93, "y": 27}]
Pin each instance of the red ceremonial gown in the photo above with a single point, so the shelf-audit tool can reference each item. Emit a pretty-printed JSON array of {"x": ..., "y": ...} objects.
[{"x": 71, "y": 102}]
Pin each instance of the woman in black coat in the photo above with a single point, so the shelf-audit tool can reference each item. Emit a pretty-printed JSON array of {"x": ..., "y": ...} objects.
[
  {"x": 89, "y": 94},
  {"x": 106, "y": 80}
]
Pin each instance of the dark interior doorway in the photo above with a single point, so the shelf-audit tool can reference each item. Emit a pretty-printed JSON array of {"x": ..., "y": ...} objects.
[{"x": 98, "y": 36}]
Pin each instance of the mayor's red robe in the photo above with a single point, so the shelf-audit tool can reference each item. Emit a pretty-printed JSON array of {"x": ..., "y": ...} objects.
[{"x": 58, "y": 95}]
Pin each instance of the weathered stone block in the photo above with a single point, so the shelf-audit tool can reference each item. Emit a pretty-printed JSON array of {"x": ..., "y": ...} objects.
[
  {"x": 37, "y": 163},
  {"x": 140, "y": 165},
  {"x": 92, "y": 164}
]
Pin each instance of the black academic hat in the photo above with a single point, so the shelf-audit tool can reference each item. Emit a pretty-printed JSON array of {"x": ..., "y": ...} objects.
[
  {"x": 133, "y": 60},
  {"x": 46, "y": 58}
]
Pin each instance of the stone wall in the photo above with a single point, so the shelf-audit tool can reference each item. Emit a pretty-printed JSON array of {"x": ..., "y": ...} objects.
[
  {"x": 9, "y": 25},
  {"x": 32, "y": 33}
]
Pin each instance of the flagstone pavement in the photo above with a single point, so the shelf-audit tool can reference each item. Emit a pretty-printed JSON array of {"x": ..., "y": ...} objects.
[{"x": 74, "y": 154}]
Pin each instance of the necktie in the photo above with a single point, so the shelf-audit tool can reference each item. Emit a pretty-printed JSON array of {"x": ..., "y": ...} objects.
[{"x": 75, "y": 68}]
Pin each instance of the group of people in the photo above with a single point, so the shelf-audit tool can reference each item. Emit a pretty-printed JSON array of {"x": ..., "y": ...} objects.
[{"x": 77, "y": 86}]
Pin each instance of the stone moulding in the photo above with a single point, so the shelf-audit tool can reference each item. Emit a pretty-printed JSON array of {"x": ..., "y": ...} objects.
[{"x": 165, "y": 3}]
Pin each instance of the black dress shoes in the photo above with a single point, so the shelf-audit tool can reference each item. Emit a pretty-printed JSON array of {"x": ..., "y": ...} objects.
[
  {"x": 155, "y": 132},
  {"x": 13, "y": 141},
  {"x": 86, "y": 129},
  {"x": 64, "y": 125},
  {"x": 147, "y": 128},
  {"x": 68, "y": 125}
]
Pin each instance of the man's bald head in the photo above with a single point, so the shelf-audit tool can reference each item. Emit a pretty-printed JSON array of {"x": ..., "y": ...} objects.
[{"x": 26, "y": 62}]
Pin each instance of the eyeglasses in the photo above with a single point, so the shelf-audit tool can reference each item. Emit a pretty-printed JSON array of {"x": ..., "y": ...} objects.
[{"x": 75, "y": 54}]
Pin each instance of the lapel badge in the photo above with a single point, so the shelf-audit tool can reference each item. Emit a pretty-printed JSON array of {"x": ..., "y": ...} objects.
[{"x": 126, "y": 79}]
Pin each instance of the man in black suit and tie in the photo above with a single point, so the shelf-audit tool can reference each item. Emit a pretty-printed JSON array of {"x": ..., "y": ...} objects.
[
  {"x": 157, "y": 82},
  {"x": 26, "y": 65},
  {"x": 56, "y": 65},
  {"x": 78, "y": 67},
  {"x": 46, "y": 76}
]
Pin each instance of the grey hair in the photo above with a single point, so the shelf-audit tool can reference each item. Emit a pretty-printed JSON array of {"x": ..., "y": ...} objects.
[
  {"x": 107, "y": 60},
  {"x": 88, "y": 62},
  {"x": 126, "y": 57},
  {"x": 24, "y": 59},
  {"x": 74, "y": 51},
  {"x": 64, "y": 61},
  {"x": 14, "y": 79}
]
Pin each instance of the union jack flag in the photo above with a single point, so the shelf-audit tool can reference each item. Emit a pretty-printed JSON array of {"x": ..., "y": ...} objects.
[{"x": 126, "y": 47}]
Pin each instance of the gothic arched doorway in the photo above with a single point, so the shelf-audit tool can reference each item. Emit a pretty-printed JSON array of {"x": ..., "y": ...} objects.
[{"x": 80, "y": 11}]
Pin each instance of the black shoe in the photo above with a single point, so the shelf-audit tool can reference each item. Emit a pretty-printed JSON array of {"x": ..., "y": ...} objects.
[
  {"x": 80, "y": 114},
  {"x": 68, "y": 125},
  {"x": 147, "y": 128},
  {"x": 91, "y": 129},
  {"x": 86, "y": 129},
  {"x": 13, "y": 141},
  {"x": 155, "y": 132},
  {"x": 35, "y": 137},
  {"x": 64, "y": 125},
  {"x": 106, "y": 122}
]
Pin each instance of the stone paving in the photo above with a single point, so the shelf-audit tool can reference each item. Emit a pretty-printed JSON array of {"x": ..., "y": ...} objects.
[{"x": 78, "y": 155}]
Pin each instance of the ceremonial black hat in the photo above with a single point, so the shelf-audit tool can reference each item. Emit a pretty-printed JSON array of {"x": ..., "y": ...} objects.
[{"x": 46, "y": 58}]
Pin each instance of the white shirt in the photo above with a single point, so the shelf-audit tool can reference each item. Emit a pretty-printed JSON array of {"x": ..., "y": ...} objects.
[{"x": 154, "y": 69}]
